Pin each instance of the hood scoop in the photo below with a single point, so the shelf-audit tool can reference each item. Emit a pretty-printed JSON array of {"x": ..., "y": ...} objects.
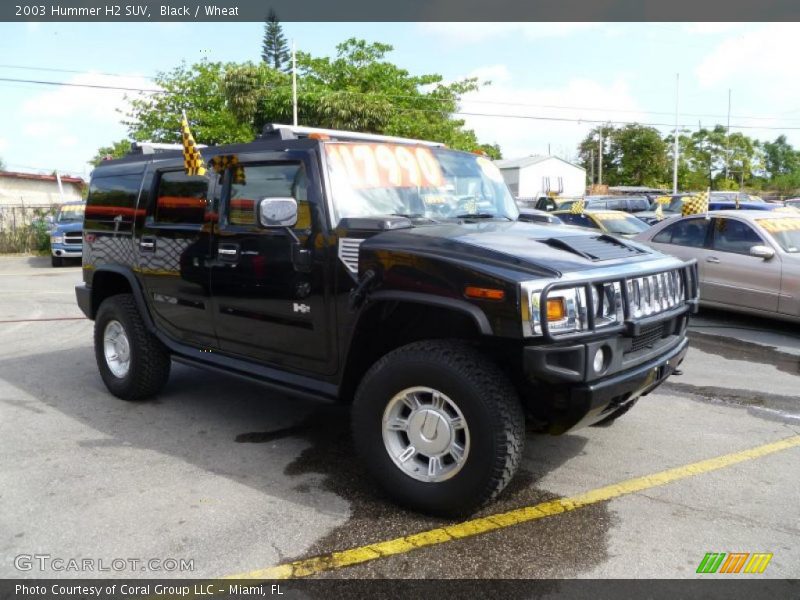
[{"x": 594, "y": 248}]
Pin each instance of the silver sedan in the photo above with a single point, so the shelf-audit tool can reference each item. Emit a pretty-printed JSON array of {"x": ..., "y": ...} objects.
[{"x": 749, "y": 260}]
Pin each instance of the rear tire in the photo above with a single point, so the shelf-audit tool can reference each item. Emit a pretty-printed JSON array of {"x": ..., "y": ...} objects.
[
  {"x": 56, "y": 261},
  {"x": 134, "y": 365},
  {"x": 415, "y": 399}
]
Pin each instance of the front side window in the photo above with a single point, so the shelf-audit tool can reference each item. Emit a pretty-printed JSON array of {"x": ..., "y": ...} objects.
[
  {"x": 251, "y": 183},
  {"x": 370, "y": 179},
  {"x": 181, "y": 199},
  {"x": 731, "y": 235},
  {"x": 688, "y": 232}
]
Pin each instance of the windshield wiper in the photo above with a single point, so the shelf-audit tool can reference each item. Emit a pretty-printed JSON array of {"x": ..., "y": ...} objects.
[{"x": 482, "y": 216}]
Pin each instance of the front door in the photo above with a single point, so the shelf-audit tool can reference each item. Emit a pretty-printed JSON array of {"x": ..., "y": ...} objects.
[
  {"x": 734, "y": 277},
  {"x": 270, "y": 286}
]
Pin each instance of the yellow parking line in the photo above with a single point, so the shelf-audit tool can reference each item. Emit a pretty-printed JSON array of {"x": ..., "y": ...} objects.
[{"x": 354, "y": 556}]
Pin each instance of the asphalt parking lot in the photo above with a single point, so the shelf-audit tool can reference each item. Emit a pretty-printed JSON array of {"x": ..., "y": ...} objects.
[{"x": 228, "y": 475}]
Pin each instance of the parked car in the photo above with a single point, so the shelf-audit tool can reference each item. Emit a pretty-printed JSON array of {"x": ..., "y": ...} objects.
[
  {"x": 749, "y": 260},
  {"x": 404, "y": 286},
  {"x": 793, "y": 203},
  {"x": 66, "y": 236},
  {"x": 546, "y": 203},
  {"x": 717, "y": 201},
  {"x": 629, "y": 204},
  {"x": 615, "y": 222},
  {"x": 532, "y": 215}
]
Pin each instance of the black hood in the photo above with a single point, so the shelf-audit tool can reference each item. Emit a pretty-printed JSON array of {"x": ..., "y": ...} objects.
[{"x": 527, "y": 248}]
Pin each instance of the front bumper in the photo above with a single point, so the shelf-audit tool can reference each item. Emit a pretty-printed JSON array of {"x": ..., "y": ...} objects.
[
  {"x": 562, "y": 394},
  {"x": 66, "y": 250}
]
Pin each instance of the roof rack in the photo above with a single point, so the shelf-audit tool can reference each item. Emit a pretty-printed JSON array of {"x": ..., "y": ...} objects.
[
  {"x": 290, "y": 132},
  {"x": 156, "y": 147}
]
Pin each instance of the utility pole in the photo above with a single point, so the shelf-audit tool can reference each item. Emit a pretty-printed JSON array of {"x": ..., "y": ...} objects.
[
  {"x": 677, "y": 148},
  {"x": 591, "y": 162},
  {"x": 294, "y": 84},
  {"x": 600, "y": 158},
  {"x": 728, "y": 136}
]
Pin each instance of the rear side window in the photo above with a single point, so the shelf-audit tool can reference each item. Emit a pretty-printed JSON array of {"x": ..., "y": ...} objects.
[
  {"x": 638, "y": 204},
  {"x": 690, "y": 232},
  {"x": 113, "y": 196},
  {"x": 617, "y": 204},
  {"x": 181, "y": 199}
]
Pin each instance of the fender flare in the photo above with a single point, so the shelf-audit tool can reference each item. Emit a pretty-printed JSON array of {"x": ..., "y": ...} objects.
[
  {"x": 462, "y": 306},
  {"x": 136, "y": 290}
]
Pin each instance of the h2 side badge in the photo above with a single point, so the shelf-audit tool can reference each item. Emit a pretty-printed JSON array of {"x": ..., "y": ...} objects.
[{"x": 301, "y": 308}]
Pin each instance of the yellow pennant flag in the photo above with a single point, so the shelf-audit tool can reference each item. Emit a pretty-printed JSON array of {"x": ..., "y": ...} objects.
[
  {"x": 695, "y": 205},
  {"x": 577, "y": 207},
  {"x": 192, "y": 159}
]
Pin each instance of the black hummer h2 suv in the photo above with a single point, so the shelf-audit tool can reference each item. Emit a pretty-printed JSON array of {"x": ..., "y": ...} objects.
[{"x": 389, "y": 273}]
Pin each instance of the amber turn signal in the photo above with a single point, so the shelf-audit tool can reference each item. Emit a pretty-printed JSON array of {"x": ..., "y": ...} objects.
[
  {"x": 484, "y": 293},
  {"x": 556, "y": 309}
]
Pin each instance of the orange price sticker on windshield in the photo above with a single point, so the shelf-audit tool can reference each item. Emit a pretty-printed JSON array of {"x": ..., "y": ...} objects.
[
  {"x": 384, "y": 165},
  {"x": 778, "y": 225}
]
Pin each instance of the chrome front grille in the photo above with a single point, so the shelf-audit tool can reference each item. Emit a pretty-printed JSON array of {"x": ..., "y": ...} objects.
[
  {"x": 73, "y": 237},
  {"x": 655, "y": 293}
]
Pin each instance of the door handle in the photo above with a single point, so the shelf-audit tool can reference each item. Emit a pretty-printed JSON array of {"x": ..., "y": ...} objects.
[
  {"x": 228, "y": 252},
  {"x": 147, "y": 244},
  {"x": 712, "y": 259}
]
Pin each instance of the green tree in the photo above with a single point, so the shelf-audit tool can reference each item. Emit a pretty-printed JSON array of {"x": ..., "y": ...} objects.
[
  {"x": 638, "y": 156},
  {"x": 274, "y": 50},
  {"x": 197, "y": 89},
  {"x": 780, "y": 158},
  {"x": 115, "y": 150},
  {"x": 491, "y": 150},
  {"x": 357, "y": 90},
  {"x": 2, "y": 165}
]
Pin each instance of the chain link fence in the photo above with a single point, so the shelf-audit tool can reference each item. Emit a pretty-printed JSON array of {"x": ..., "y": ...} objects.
[{"x": 26, "y": 228}]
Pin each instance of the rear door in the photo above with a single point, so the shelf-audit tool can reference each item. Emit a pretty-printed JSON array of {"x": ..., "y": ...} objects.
[
  {"x": 270, "y": 286},
  {"x": 686, "y": 239},
  {"x": 173, "y": 250},
  {"x": 733, "y": 276}
]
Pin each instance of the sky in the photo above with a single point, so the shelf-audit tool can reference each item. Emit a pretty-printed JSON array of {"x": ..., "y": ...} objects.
[{"x": 546, "y": 82}]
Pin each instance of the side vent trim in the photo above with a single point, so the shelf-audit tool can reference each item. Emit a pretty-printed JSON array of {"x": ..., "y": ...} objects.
[{"x": 348, "y": 253}]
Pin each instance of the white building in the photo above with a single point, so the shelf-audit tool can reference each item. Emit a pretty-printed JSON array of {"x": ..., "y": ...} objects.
[
  {"x": 29, "y": 190},
  {"x": 535, "y": 176}
]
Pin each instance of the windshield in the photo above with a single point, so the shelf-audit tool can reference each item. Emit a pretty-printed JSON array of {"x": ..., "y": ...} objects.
[
  {"x": 70, "y": 213},
  {"x": 785, "y": 231},
  {"x": 620, "y": 223},
  {"x": 415, "y": 181}
]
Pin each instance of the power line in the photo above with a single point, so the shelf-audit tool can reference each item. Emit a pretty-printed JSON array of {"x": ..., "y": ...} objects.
[{"x": 54, "y": 70}]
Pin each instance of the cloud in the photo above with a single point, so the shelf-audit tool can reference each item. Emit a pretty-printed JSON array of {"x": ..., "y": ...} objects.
[
  {"x": 711, "y": 28},
  {"x": 768, "y": 51},
  {"x": 492, "y": 73},
  {"x": 525, "y": 121},
  {"x": 102, "y": 104},
  {"x": 468, "y": 33},
  {"x": 3, "y": 144}
]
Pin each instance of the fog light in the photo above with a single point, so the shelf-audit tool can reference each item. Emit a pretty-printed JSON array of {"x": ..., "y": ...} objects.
[{"x": 599, "y": 362}]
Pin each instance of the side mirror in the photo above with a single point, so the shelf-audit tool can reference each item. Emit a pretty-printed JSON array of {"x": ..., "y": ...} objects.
[
  {"x": 277, "y": 212},
  {"x": 764, "y": 252}
]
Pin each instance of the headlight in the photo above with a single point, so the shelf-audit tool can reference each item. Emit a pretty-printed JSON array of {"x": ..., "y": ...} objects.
[
  {"x": 567, "y": 309},
  {"x": 56, "y": 239}
]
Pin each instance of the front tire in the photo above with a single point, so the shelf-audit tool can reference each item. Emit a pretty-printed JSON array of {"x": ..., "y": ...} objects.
[
  {"x": 439, "y": 426},
  {"x": 56, "y": 261},
  {"x": 133, "y": 364}
]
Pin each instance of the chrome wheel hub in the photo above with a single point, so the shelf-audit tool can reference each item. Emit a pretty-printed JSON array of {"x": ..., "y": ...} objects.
[
  {"x": 116, "y": 349},
  {"x": 425, "y": 434}
]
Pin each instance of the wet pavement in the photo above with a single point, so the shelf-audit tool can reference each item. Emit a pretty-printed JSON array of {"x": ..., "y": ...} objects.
[{"x": 236, "y": 478}]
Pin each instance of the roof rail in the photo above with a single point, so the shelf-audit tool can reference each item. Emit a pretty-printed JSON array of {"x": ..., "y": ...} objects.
[
  {"x": 156, "y": 147},
  {"x": 288, "y": 132}
]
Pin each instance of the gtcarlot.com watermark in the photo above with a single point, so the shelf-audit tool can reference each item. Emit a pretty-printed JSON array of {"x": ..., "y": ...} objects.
[{"x": 58, "y": 564}]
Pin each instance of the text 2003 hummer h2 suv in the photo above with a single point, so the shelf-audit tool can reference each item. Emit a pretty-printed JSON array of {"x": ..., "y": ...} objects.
[{"x": 385, "y": 272}]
